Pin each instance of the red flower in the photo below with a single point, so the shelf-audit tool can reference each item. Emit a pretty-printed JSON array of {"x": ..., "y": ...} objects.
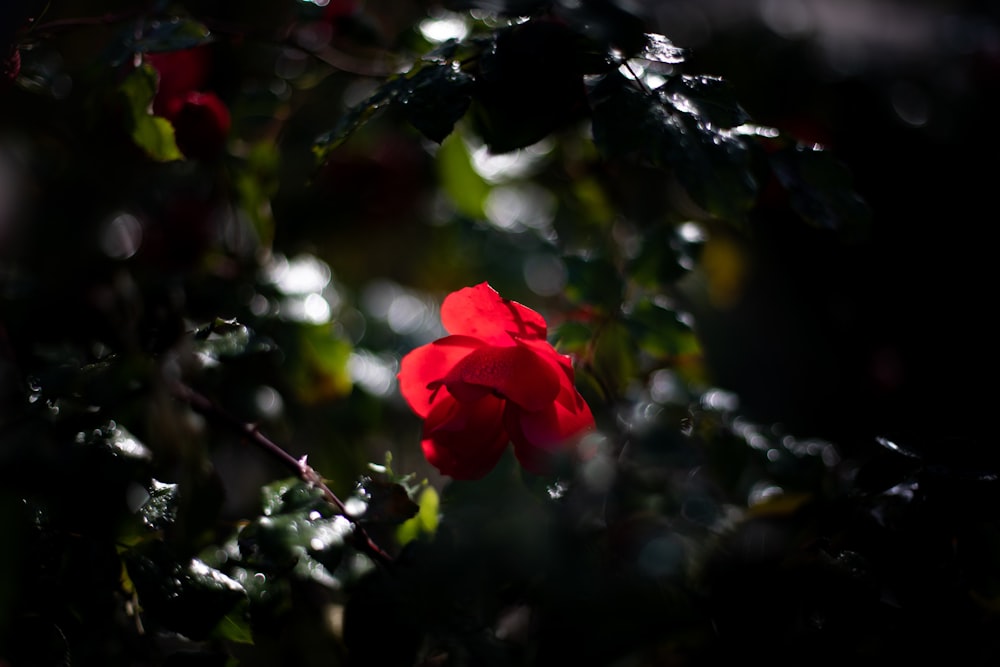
[
  {"x": 201, "y": 120},
  {"x": 494, "y": 380}
]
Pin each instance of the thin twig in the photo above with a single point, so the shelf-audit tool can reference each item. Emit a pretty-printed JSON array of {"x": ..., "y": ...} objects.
[{"x": 208, "y": 408}]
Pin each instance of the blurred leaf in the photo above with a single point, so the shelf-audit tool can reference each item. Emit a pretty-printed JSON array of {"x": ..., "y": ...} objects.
[
  {"x": 465, "y": 187},
  {"x": 226, "y": 339},
  {"x": 663, "y": 259},
  {"x": 594, "y": 282},
  {"x": 573, "y": 337},
  {"x": 426, "y": 520},
  {"x": 613, "y": 360},
  {"x": 821, "y": 189},
  {"x": 606, "y": 22},
  {"x": 502, "y": 7},
  {"x": 235, "y": 626},
  {"x": 187, "y": 597},
  {"x": 173, "y": 34},
  {"x": 320, "y": 370},
  {"x": 659, "y": 332},
  {"x": 153, "y": 134},
  {"x": 256, "y": 184}
]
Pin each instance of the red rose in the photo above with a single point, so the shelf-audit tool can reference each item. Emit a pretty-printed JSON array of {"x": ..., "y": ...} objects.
[
  {"x": 494, "y": 380},
  {"x": 201, "y": 123},
  {"x": 201, "y": 120}
]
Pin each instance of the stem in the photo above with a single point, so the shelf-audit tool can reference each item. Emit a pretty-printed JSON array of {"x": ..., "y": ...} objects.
[{"x": 208, "y": 408}]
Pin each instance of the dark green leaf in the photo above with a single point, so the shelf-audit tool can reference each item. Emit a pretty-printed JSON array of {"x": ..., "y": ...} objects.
[
  {"x": 160, "y": 510},
  {"x": 172, "y": 34},
  {"x": 659, "y": 332},
  {"x": 663, "y": 259},
  {"x": 713, "y": 165},
  {"x": 292, "y": 495},
  {"x": 820, "y": 189},
  {"x": 385, "y": 502},
  {"x": 594, "y": 282},
  {"x": 187, "y": 597},
  {"x": 228, "y": 338},
  {"x": 710, "y": 98},
  {"x": 298, "y": 534},
  {"x": 432, "y": 98},
  {"x": 354, "y": 118},
  {"x": 435, "y": 98}
]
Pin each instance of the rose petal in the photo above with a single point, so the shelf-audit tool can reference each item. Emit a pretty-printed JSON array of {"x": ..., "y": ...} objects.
[
  {"x": 469, "y": 445},
  {"x": 538, "y": 434},
  {"x": 421, "y": 371},
  {"x": 516, "y": 373},
  {"x": 481, "y": 312}
]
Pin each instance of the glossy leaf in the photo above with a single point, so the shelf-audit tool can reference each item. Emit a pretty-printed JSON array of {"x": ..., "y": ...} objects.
[
  {"x": 226, "y": 339},
  {"x": 298, "y": 534},
  {"x": 160, "y": 510},
  {"x": 660, "y": 49},
  {"x": 435, "y": 98},
  {"x": 711, "y": 164},
  {"x": 432, "y": 98},
  {"x": 710, "y": 98},
  {"x": 188, "y": 597}
]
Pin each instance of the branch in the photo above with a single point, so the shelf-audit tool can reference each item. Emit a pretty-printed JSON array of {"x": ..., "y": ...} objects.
[{"x": 208, "y": 408}]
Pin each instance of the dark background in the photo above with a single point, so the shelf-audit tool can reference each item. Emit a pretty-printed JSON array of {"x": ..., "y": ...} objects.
[{"x": 891, "y": 335}]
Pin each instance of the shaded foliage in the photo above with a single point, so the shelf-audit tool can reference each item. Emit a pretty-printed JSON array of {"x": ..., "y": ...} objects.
[{"x": 204, "y": 456}]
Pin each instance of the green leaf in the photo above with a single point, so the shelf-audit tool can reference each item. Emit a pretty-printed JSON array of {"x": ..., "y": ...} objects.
[
  {"x": 353, "y": 119},
  {"x": 713, "y": 165},
  {"x": 299, "y": 534},
  {"x": 710, "y": 98},
  {"x": 173, "y": 34},
  {"x": 663, "y": 259},
  {"x": 426, "y": 520},
  {"x": 320, "y": 370},
  {"x": 160, "y": 510},
  {"x": 188, "y": 596},
  {"x": 292, "y": 495},
  {"x": 463, "y": 185},
  {"x": 594, "y": 282},
  {"x": 660, "y": 49},
  {"x": 227, "y": 339},
  {"x": 386, "y": 502},
  {"x": 153, "y": 134},
  {"x": 235, "y": 626},
  {"x": 658, "y": 331},
  {"x": 435, "y": 98},
  {"x": 432, "y": 97},
  {"x": 821, "y": 189}
]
